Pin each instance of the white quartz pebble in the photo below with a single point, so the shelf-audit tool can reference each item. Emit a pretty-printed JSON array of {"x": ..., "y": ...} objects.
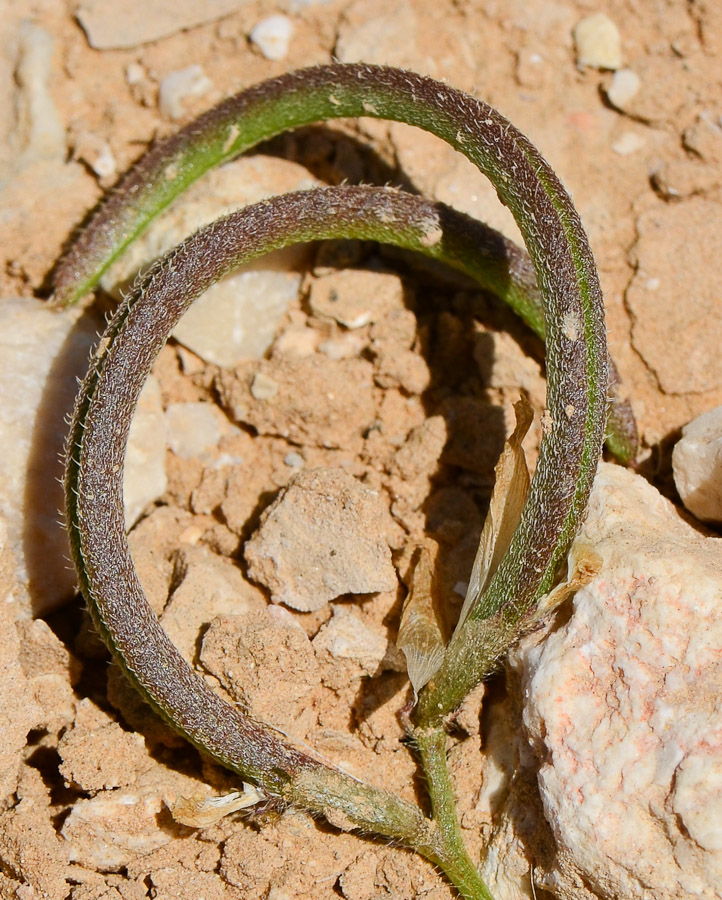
[
  {"x": 180, "y": 85},
  {"x": 598, "y": 43},
  {"x": 273, "y": 36},
  {"x": 697, "y": 466}
]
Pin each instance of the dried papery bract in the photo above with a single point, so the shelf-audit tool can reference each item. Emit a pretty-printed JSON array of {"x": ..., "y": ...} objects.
[
  {"x": 577, "y": 366},
  {"x": 511, "y": 486},
  {"x": 420, "y": 636}
]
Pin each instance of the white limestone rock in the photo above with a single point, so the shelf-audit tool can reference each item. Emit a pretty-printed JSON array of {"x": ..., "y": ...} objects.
[
  {"x": 19, "y": 712},
  {"x": 623, "y": 88},
  {"x": 621, "y": 708},
  {"x": 110, "y": 25},
  {"x": 43, "y": 353},
  {"x": 180, "y": 85},
  {"x": 194, "y": 429},
  {"x": 697, "y": 466},
  {"x": 347, "y": 637},
  {"x": 272, "y": 36},
  {"x": 325, "y": 535},
  {"x": 598, "y": 42},
  {"x": 238, "y": 317},
  {"x": 145, "y": 476}
]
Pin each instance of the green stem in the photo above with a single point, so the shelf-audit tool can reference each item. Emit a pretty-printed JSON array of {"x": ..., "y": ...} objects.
[{"x": 457, "y": 864}]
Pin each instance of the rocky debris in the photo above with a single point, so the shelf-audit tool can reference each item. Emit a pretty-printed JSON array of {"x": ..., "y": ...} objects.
[
  {"x": 194, "y": 428},
  {"x": 179, "y": 86},
  {"x": 598, "y": 43},
  {"x": 355, "y": 298},
  {"x": 97, "y": 754},
  {"x": 266, "y": 663},
  {"x": 43, "y": 353},
  {"x": 207, "y": 586},
  {"x": 113, "y": 827},
  {"x": 373, "y": 33},
  {"x": 697, "y": 465},
  {"x": 145, "y": 475},
  {"x": 325, "y": 535},
  {"x": 347, "y": 637},
  {"x": 112, "y": 27},
  {"x": 619, "y": 701},
  {"x": 272, "y": 36},
  {"x": 623, "y": 88},
  {"x": 35, "y": 859},
  {"x": 238, "y": 317},
  {"x": 18, "y": 712},
  {"x": 95, "y": 153},
  {"x": 313, "y": 399},
  {"x": 673, "y": 302},
  {"x": 627, "y": 143},
  {"x": 39, "y": 132}
]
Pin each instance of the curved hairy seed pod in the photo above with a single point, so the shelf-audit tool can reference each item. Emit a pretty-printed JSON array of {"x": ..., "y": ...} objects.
[
  {"x": 94, "y": 491},
  {"x": 521, "y": 177},
  {"x": 566, "y": 274}
]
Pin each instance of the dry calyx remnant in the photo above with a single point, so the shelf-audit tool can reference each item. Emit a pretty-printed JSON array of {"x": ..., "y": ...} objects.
[{"x": 529, "y": 533}]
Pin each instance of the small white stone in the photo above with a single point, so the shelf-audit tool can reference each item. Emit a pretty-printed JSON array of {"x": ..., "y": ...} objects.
[
  {"x": 623, "y": 88},
  {"x": 112, "y": 25},
  {"x": 628, "y": 142},
  {"x": 193, "y": 428},
  {"x": 134, "y": 73},
  {"x": 273, "y": 36},
  {"x": 294, "y": 460},
  {"x": 697, "y": 466},
  {"x": 145, "y": 476},
  {"x": 598, "y": 42},
  {"x": 347, "y": 637},
  {"x": 263, "y": 387},
  {"x": 180, "y": 85},
  {"x": 43, "y": 353}
]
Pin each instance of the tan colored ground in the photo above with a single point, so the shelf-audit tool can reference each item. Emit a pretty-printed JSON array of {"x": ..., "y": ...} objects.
[{"x": 89, "y": 817}]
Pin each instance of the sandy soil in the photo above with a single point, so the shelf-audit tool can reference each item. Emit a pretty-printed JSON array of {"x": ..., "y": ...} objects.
[{"x": 432, "y": 377}]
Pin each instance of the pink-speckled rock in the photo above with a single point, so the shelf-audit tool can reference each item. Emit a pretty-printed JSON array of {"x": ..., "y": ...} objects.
[{"x": 622, "y": 708}]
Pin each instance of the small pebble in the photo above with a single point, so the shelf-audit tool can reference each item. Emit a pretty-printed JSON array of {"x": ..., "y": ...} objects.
[
  {"x": 273, "y": 36},
  {"x": 294, "y": 460},
  {"x": 263, "y": 387},
  {"x": 145, "y": 475},
  {"x": 623, "y": 88},
  {"x": 598, "y": 43},
  {"x": 180, "y": 85},
  {"x": 134, "y": 73},
  {"x": 697, "y": 466},
  {"x": 628, "y": 142},
  {"x": 193, "y": 428}
]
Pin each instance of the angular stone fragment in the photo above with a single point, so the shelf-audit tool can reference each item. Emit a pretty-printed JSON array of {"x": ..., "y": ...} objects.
[
  {"x": 207, "y": 586},
  {"x": 145, "y": 478},
  {"x": 355, "y": 298},
  {"x": 324, "y": 536},
  {"x": 18, "y": 712},
  {"x": 598, "y": 42},
  {"x": 620, "y": 707},
  {"x": 265, "y": 661},
  {"x": 111, "y": 26},
  {"x": 697, "y": 465},
  {"x": 346, "y": 637},
  {"x": 316, "y": 400},
  {"x": 43, "y": 353},
  {"x": 676, "y": 306}
]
